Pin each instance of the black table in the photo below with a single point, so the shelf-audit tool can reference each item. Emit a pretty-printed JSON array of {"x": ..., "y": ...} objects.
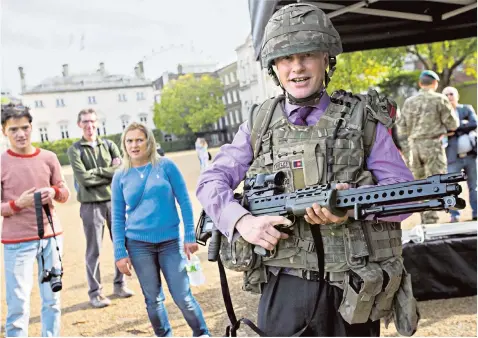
[{"x": 442, "y": 268}]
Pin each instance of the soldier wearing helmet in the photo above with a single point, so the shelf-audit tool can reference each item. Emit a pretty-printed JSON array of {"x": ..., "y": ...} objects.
[
  {"x": 313, "y": 138},
  {"x": 425, "y": 120}
]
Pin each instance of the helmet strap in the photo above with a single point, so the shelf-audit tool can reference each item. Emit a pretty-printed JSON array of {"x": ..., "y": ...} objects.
[
  {"x": 273, "y": 75},
  {"x": 306, "y": 101},
  {"x": 328, "y": 75}
]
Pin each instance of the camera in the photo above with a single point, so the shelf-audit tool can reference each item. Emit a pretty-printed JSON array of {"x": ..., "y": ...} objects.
[{"x": 54, "y": 277}]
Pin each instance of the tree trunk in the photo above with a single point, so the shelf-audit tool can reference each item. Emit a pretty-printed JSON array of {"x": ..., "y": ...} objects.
[{"x": 445, "y": 78}]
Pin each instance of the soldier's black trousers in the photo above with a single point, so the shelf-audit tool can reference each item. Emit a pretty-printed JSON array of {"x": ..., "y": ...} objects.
[{"x": 287, "y": 303}]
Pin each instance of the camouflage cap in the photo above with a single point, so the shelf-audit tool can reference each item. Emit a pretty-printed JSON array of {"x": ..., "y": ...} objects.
[
  {"x": 430, "y": 73},
  {"x": 298, "y": 28}
]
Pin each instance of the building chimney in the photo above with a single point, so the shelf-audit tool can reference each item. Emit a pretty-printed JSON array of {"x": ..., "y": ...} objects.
[
  {"x": 137, "y": 71},
  {"x": 180, "y": 69},
  {"x": 141, "y": 68},
  {"x": 102, "y": 68},
  {"x": 22, "y": 78},
  {"x": 65, "y": 70}
]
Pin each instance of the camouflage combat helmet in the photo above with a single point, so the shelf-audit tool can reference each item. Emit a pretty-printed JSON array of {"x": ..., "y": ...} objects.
[{"x": 299, "y": 28}]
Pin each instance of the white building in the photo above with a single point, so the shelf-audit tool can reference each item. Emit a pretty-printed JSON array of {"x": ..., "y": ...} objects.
[
  {"x": 117, "y": 99},
  {"x": 255, "y": 84}
]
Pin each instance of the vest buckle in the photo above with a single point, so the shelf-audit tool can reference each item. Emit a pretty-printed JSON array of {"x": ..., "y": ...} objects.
[{"x": 344, "y": 121}]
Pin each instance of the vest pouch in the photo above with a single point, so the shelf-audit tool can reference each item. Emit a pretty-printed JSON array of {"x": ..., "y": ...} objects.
[
  {"x": 238, "y": 255},
  {"x": 356, "y": 248},
  {"x": 384, "y": 240},
  {"x": 405, "y": 309},
  {"x": 392, "y": 274},
  {"x": 254, "y": 279},
  {"x": 347, "y": 160},
  {"x": 314, "y": 164},
  {"x": 360, "y": 288},
  {"x": 286, "y": 253}
]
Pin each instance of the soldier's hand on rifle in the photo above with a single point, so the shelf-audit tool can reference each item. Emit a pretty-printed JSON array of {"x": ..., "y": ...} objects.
[
  {"x": 260, "y": 230},
  {"x": 320, "y": 215}
]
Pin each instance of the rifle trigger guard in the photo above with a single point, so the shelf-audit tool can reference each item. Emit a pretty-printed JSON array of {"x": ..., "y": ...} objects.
[{"x": 292, "y": 218}]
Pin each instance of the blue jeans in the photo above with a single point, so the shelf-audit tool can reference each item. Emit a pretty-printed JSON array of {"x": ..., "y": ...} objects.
[
  {"x": 19, "y": 260},
  {"x": 467, "y": 163},
  {"x": 148, "y": 260}
]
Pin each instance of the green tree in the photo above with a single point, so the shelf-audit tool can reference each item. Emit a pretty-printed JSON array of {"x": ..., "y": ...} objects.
[
  {"x": 358, "y": 71},
  {"x": 399, "y": 86},
  {"x": 446, "y": 56},
  {"x": 189, "y": 104}
]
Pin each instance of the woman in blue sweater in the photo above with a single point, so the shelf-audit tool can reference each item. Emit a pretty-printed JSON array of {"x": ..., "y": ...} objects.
[{"x": 146, "y": 228}]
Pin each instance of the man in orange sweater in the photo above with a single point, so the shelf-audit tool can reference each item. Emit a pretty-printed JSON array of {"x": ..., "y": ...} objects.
[{"x": 26, "y": 170}]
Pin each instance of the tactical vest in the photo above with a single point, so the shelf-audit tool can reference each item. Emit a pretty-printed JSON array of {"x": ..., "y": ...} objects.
[
  {"x": 301, "y": 153},
  {"x": 333, "y": 150}
]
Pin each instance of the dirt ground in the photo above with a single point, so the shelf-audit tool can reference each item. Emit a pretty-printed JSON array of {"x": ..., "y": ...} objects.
[{"x": 127, "y": 317}]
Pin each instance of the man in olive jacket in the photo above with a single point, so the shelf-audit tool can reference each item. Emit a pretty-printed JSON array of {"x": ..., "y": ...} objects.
[{"x": 94, "y": 162}]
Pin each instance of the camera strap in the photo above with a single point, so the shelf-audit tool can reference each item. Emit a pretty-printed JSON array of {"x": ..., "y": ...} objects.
[{"x": 39, "y": 208}]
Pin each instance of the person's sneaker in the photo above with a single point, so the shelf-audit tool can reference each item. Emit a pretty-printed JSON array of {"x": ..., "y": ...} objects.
[
  {"x": 454, "y": 219},
  {"x": 123, "y": 292},
  {"x": 100, "y": 301}
]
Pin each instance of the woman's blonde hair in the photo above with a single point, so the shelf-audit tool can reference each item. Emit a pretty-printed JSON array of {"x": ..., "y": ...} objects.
[{"x": 150, "y": 144}]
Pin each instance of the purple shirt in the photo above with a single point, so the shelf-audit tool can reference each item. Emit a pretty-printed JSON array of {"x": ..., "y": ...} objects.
[{"x": 216, "y": 184}]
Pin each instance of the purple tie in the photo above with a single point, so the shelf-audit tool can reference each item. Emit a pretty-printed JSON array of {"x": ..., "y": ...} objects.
[{"x": 300, "y": 115}]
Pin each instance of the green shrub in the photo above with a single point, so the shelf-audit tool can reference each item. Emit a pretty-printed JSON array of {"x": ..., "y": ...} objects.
[
  {"x": 63, "y": 158},
  {"x": 60, "y": 147}
]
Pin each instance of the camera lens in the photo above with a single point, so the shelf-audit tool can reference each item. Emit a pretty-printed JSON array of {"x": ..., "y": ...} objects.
[
  {"x": 56, "y": 284},
  {"x": 55, "y": 281}
]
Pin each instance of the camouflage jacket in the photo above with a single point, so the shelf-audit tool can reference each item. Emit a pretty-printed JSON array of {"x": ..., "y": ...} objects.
[{"x": 426, "y": 115}]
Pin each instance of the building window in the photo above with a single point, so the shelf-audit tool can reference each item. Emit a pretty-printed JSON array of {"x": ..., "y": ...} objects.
[
  {"x": 224, "y": 121},
  {"x": 92, "y": 99},
  {"x": 140, "y": 96},
  {"x": 60, "y": 103},
  {"x": 39, "y": 104},
  {"x": 64, "y": 131},
  {"x": 238, "y": 116},
  {"x": 231, "y": 118},
  {"x": 232, "y": 78},
  {"x": 215, "y": 126},
  {"x": 102, "y": 127},
  {"x": 220, "y": 124},
  {"x": 214, "y": 139},
  {"x": 43, "y": 134},
  {"x": 229, "y": 99},
  {"x": 226, "y": 79},
  {"x": 122, "y": 97},
  {"x": 143, "y": 118},
  {"x": 124, "y": 121},
  {"x": 234, "y": 96},
  {"x": 223, "y": 99}
]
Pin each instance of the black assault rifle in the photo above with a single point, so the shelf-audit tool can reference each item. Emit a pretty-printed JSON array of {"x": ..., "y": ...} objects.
[{"x": 264, "y": 195}]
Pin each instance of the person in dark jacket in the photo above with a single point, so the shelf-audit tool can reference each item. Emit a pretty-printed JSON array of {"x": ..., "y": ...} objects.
[{"x": 461, "y": 155}]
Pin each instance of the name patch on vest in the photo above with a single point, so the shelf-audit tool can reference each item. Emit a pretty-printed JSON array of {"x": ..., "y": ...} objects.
[
  {"x": 281, "y": 165},
  {"x": 297, "y": 164}
]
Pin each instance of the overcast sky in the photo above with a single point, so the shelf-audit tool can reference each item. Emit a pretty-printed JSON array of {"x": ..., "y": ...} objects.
[{"x": 43, "y": 35}]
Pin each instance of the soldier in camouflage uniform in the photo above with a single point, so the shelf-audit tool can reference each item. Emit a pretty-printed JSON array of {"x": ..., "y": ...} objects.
[
  {"x": 313, "y": 138},
  {"x": 425, "y": 119}
]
